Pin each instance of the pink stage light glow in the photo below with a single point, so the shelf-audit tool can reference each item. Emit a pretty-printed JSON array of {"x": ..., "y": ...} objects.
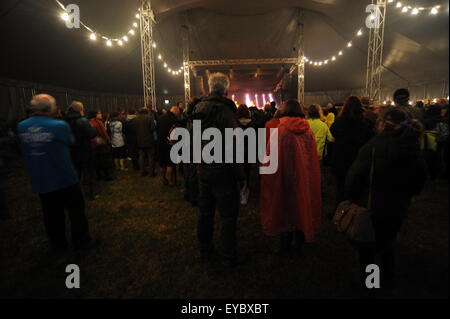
[
  {"x": 248, "y": 102},
  {"x": 264, "y": 99},
  {"x": 256, "y": 99}
]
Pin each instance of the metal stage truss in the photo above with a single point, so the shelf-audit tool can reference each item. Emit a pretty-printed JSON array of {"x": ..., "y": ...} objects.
[
  {"x": 375, "y": 53},
  {"x": 243, "y": 62},
  {"x": 301, "y": 60},
  {"x": 374, "y": 60},
  {"x": 186, "y": 50},
  {"x": 148, "y": 63}
]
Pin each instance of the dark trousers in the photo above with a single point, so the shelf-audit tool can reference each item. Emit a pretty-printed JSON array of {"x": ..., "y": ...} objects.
[
  {"x": 54, "y": 206},
  {"x": 85, "y": 167},
  {"x": 218, "y": 190},
  {"x": 287, "y": 240},
  {"x": 386, "y": 230},
  {"x": 191, "y": 192},
  {"x": 368, "y": 256},
  {"x": 133, "y": 153},
  {"x": 4, "y": 212},
  {"x": 340, "y": 189},
  {"x": 147, "y": 160}
]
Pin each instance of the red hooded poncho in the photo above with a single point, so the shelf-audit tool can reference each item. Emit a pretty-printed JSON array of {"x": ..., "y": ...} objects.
[{"x": 291, "y": 198}]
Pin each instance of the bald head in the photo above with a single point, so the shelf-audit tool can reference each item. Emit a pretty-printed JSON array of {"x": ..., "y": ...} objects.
[
  {"x": 77, "y": 106},
  {"x": 43, "y": 103}
]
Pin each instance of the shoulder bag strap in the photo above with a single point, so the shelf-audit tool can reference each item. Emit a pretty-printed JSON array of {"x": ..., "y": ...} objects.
[{"x": 372, "y": 169}]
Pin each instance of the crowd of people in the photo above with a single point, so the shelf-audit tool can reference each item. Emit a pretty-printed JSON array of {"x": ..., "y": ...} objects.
[{"x": 405, "y": 145}]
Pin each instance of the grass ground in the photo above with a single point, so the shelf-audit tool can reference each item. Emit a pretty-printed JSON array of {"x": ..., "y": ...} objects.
[{"x": 149, "y": 250}]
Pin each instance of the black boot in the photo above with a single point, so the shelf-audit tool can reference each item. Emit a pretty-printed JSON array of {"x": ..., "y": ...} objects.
[{"x": 285, "y": 244}]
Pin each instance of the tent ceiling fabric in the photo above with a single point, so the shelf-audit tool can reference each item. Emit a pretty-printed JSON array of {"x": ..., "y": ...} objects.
[{"x": 37, "y": 47}]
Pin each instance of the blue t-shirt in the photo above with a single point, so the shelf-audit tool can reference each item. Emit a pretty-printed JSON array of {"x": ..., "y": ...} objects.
[{"x": 46, "y": 147}]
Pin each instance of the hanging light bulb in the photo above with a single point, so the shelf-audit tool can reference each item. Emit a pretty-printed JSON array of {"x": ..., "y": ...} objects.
[
  {"x": 360, "y": 33},
  {"x": 65, "y": 16},
  {"x": 399, "y": 5},
  {"x": 135, "y": 25},
  {"x": 125, "y": 38},
  {"x": 165, "y": 65},
  {"x": 93, "y": 37},
  {"x": 138, "y": 16},
  {"x": 341, "y": 53},
  {"x": 160, "y": 57},
  {"x": 154, "y": 45},
  {"x": 131, "y": 32},
  {"x": 349, "y": 44},
  {"x": 109, "y": 43},
  {"x": 434, "y": 11},
  {"x": 333, "y": 58},
  {"x": 326, "y": 62},
  {"x": 405, "y": 9},
  {"x": 415, "y": 11},
  {"x": 120, "y": 42}
]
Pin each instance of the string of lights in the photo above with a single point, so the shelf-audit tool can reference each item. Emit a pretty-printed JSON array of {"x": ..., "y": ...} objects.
[
  {"x": 331, "y": 59},
  {"x": 118, "y": 41},
  {"x": 111, "y": 41},
  {"x": 415, "y": 10},
  {"x": 404, "y": 8}
]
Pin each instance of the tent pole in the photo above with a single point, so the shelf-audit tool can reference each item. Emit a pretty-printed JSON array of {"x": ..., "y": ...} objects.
[
  {"x": 186, "y": 60},
  {"x": 301, "y": 60},
  {"x": 375, "y": 52},
  {"x": 148, "y": 65}
]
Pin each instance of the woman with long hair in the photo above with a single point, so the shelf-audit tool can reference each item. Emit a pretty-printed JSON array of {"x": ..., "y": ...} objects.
[
  {"x": 399, "y": 173},
  {"x": 291, "y": 198},
  {"x": 351, "y": 131}
]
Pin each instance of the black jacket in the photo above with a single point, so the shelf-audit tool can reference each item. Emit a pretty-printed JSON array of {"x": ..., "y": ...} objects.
[
  {"x": 350, "y": 134},
  {"x": 399, "y": 174},
  {"x": 83, "y": 133},
  {"x": 165, "y": 124},
  {"x": 219, "y": 112},
  {"x": 144, "y": 128}
]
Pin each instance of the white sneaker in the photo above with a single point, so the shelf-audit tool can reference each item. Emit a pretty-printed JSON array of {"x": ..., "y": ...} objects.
[{"x": 244, "y": 196}]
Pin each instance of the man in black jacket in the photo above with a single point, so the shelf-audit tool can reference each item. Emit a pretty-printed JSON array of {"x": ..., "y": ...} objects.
[
  {"x": 130, "y": 135},
  {"x": 219, "y": 182},
  {"x": 82, "y": 152},
  {"x": 144, "y": 128}
]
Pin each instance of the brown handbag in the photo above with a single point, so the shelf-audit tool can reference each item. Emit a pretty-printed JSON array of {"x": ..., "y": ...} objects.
[{"x": 355, "y": 221}]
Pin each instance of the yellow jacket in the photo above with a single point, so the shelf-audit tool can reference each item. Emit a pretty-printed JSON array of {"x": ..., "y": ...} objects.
[{"x": 322, "y": 133}]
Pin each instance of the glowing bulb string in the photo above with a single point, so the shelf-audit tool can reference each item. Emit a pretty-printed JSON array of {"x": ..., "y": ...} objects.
[
  {"x": 93, "y": 36},
  {"x": 415, "y": 10},
  {"x": 110, "y": 41},
  {"x": 333, "y": 58}
]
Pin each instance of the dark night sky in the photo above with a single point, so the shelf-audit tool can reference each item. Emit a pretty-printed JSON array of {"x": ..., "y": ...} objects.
[{"x": 37, "y": 47}]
